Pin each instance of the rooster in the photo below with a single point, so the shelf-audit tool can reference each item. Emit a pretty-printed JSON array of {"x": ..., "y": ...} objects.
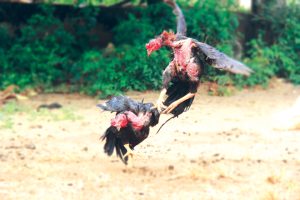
[
  {"x": 181, "y": 76},
  {"x": 129, "y": 127}
]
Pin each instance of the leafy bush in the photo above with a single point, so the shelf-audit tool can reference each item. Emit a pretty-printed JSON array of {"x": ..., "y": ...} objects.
[
  {"x": 49, "y": 55},
  {"x": 212, "y": 22},
  {"x": 45, "y": 53},
  {"x": 208, "y": 21},
  {"x": 281, "y": 55},
  {"x": 120, "y": 70}
]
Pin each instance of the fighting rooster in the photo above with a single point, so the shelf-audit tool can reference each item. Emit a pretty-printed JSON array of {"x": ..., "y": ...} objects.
[
  {"x": 129, "y": 127},
  {"x": 181, "y": 76}
]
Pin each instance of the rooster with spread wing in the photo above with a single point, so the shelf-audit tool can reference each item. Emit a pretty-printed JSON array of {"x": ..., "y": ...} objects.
[
  {"x": 129, "y": 127},
  {"x": 181, "y": 77}
]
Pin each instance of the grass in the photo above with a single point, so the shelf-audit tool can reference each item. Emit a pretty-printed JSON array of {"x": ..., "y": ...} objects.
[
  {"x": 6, "y": 123},
  {"x": 10, "y": 110},
  {"x": 7, "y": 112},
  {"x": 62, "y": 114}
]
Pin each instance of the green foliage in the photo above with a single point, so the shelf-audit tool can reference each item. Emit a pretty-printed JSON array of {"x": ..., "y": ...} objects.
[
  {"x": 281, "y": 57},
  {"x": 7, "y": 112},
  {"x": 120, "y": 70},
  {"x": 48, "y": 55},
  {"x": 261, "y": 65},
  {"x": 144, "y": 24},
  {"x": 89, "y": 2},
  {"x": 212, "y": 22},
  {"x": 208, "y": 21},
  {"x": 43, "y": 55},
  {"x": 12, "y": 108},
  {"x": 54, "y": 54}
]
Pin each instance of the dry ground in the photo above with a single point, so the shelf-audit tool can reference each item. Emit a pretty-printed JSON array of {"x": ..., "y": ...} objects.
[{"x": 236, "y": 147}]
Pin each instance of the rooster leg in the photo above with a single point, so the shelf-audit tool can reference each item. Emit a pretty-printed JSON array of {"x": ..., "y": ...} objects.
[
  {"x": 173, "y": 105},
  {"x": 129, "y": 154},
  {"x": 159, "y": 104}
]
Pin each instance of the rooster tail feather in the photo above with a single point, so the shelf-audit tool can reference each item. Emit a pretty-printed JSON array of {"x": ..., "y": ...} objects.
[
  {"x": 112, "y": 142},
  {"x": 110, "y": 137},
  {"x": 121, "y": 151},
  {"x": 177, "y": 90}
]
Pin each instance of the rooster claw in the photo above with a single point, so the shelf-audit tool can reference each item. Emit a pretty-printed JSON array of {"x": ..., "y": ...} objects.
[
  {"x": 128, "y": 156},
  {"x": 170, "y": 108}
]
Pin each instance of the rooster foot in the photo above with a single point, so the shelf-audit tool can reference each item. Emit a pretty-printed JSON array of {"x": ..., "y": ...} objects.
[{"x": 129, "y": 155}]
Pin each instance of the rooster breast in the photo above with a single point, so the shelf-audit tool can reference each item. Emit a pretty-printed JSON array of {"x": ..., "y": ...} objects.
[{"x": 183, "y": 52}]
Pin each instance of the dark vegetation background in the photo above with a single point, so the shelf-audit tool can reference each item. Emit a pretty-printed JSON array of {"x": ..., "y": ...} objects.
[{"x": 101, "y": 50}]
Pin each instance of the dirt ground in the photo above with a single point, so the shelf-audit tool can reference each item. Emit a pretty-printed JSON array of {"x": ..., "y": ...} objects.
[{"x": 237, "y": 147}]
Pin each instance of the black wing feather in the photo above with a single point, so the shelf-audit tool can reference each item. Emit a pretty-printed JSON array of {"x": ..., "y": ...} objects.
[
  {"x": 221, "y": 61},
  {"x": 122, "y": 103},
  {"x": 115, "y": 104}
]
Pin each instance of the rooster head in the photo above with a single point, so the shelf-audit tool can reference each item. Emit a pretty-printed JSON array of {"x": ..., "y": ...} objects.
[
  {"x": 166, "y": 38},
  {"x": 154, "y": 45}
]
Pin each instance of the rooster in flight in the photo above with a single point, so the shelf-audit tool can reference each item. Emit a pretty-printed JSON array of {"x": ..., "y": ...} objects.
[
  {"x": 129, "y": 127},
  {"x": 181, "y": 76}
]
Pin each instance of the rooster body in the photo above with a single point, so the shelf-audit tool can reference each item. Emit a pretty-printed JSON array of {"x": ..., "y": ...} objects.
[
  {"x": 181, "y": 78},
  {"x": 130, "y": 126}
]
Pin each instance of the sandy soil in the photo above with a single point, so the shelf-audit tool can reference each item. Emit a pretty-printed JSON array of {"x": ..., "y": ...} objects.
[{"x": 236, "y": 147}]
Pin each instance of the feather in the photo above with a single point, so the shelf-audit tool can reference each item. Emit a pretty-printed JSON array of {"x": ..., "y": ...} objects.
[
  {"x": 122, "y": 103},
  {"x": 140, "y": 117},
  {"x": 181, "y": 24},
  {"x": 121, "y": 151},
  {"x": 115, "y": 104},
  {"x": 110, "y": 140},
  {"x": 177, "y": 90},
  {"x": 221, "y": 61}
]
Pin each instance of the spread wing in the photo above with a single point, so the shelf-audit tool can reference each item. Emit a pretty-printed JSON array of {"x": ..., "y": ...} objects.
[
  {"x": 115, "y": 104},
  {"x": 181, "y": 24},
  {"x": 221, "y": 61},
  {"x": 122, "y": 103}
]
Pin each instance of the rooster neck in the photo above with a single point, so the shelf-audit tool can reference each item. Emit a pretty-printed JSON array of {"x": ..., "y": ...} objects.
[{"x": 138, "y": 122}]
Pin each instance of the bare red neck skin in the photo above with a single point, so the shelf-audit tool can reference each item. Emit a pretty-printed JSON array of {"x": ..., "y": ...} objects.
[
  {"x": 138, "y": 121},
  {"x": 182, "y": 53},
  {"x": 120, "y": 121},
  {"x": 165, "y": 39}
]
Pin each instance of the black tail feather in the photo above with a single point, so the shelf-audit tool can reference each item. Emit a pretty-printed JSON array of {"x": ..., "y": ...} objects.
[
  {"x": 121, "y": 151},
  {"x": 110, "y": 137},
  {"x": 113, "y": 142},
  {"x": 177, "y": 90}
]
